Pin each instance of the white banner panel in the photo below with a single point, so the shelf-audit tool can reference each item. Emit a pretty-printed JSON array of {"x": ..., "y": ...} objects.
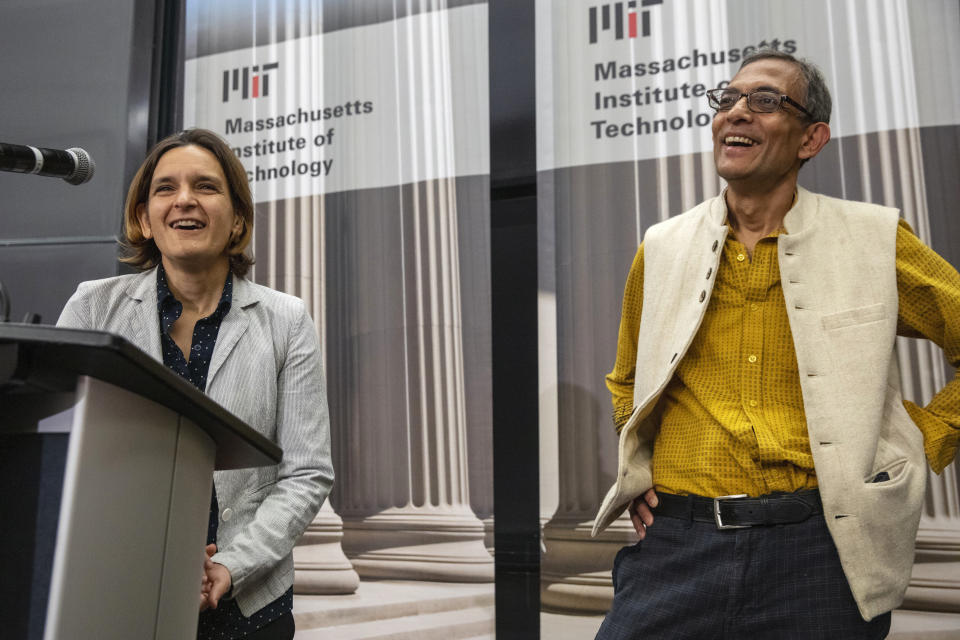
[
  {"x": 624, "y": 142},
  {"x": 621, "y": 81},
  {"x": 357, "y": 108}
]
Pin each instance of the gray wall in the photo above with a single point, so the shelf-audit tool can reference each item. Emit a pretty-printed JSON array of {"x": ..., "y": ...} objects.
[{"x": 75, "y": 73}]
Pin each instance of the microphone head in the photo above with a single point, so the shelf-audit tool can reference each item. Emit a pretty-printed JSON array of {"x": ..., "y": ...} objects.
[{"x": 84, "y": 166}]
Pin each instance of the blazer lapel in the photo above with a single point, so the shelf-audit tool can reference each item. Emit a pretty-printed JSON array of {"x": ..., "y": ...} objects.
[
  {"x": 143, "y": 322},
  {"x": 233, "y": 326}
]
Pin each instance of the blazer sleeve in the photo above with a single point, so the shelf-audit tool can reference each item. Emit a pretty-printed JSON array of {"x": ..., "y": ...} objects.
[
  {"x": 76, "y": 313},
  {"x": 305, "y": 474}
]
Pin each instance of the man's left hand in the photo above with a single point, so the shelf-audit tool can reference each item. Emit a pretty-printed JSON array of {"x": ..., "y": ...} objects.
[{"x": 640, "y": 513}]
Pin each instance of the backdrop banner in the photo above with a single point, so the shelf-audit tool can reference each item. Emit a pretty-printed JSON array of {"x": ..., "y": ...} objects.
[
  {"x": 363, "y": 128},
  {"x": 375, "y": 105},
  {"x": 625, "y": 81},
  {"x": 624, "y": 141}
]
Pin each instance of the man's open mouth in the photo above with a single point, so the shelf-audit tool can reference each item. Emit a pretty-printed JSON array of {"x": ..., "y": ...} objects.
[{"x": 738, "y": 141}]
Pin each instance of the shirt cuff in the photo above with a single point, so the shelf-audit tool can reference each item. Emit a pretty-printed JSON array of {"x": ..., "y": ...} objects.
[{"x": 940, "y": 440}]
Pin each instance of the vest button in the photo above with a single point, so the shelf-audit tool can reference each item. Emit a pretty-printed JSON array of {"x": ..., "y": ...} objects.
[
  {"x": 709, "y": 272},
  {"x": 227, "y": 514},
  {"x": 703, "y": 296},
  {"x": 716, "y": 243}
]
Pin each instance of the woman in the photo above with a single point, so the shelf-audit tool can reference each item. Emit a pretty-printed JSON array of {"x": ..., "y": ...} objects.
[{"x": 188, "y": 220}]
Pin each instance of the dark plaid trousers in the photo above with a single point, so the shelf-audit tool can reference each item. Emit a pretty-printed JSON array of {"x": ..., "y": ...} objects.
[{"x": 689, "y": 580}]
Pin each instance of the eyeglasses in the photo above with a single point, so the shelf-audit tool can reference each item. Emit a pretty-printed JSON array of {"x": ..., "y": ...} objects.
[{"x": 760, "y": 101}]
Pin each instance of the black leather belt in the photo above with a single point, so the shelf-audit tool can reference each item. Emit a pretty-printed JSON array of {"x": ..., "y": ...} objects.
[{"x": 737, "y": 512}]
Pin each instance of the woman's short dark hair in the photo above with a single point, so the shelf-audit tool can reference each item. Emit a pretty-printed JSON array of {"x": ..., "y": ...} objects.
[{"x": 142, "y": 252}]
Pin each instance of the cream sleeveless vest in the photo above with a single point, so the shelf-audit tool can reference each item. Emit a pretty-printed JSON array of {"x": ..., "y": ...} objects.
[{"x": 838, "y": 272}]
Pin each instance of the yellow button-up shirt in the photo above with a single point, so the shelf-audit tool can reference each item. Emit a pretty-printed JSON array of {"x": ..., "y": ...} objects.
[{"x": 732, "y": 418}]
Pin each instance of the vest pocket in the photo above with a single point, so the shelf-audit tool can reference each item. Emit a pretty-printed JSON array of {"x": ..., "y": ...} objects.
[
  {"x": 888, "y": 474},
  {"x": 853, "y": 317}
]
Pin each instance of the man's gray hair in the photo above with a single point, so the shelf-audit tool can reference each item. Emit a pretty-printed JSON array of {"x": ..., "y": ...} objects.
[{"x": 817, "y": 99}]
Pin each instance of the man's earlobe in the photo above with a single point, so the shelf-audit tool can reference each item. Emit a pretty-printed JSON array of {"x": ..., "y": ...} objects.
[{"x": 815, "y": 138}]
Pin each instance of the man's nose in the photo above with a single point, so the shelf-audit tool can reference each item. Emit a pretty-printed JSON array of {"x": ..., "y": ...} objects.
[{"x": 739, "y": 109}]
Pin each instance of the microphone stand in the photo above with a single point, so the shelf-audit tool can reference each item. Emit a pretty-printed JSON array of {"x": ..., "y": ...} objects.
[
  {"x": 4, "y": 304},
  {"x": 29, "y": 318}
]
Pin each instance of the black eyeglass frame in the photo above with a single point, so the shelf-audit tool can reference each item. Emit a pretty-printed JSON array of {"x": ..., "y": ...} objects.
[{"x": 713, "y": 99}]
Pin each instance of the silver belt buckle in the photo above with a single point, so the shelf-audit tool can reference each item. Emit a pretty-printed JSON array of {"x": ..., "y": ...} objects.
[{"x": 716, "y": 512}]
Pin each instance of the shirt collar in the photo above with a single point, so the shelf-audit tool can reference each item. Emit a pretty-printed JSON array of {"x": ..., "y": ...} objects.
[{"x": 166, "y": 300}]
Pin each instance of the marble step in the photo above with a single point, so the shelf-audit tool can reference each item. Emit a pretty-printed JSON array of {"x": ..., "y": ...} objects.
[
  {"x": 464, "y": 610},
  {"x": 473, "y": 623},
  {"x": 924, "y": 625}
]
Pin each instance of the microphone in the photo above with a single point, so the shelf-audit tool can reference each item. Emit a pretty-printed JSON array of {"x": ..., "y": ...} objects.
[{"x": 73, "y": 165}]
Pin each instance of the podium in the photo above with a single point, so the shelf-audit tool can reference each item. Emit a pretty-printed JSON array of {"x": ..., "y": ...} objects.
[{"x": 106, "y": 458}]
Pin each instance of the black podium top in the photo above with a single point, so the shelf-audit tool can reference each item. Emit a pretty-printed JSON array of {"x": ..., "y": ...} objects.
[{"x": 44, "y": 359}]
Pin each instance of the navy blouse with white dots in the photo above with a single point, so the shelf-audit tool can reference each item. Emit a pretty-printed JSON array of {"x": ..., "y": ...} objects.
[{"x": 226, "y": 622}]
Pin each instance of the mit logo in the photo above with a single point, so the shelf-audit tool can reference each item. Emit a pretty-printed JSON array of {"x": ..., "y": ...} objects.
[
  {"x": 251, "y": 82},
  {"x": 616, "y": 23}
]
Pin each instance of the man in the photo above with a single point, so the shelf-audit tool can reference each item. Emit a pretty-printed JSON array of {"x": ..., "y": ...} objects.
[{"x": 756, "y": 358}]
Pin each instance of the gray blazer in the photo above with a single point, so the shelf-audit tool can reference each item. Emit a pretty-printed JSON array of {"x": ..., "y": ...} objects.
[{"x": 266, "y": 370}]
